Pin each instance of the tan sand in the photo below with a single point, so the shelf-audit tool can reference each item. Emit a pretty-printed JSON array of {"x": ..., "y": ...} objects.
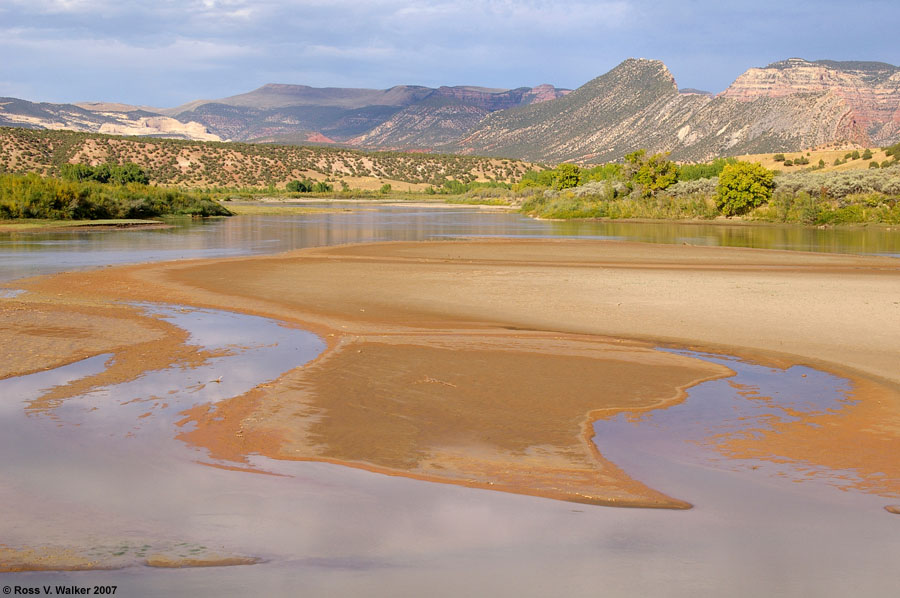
[
  {"x": 53, "y": 558},
  {"x": 44, "y": 559},
  {"x": 484, "y": 362},
  {"x": 163, "y": 561}
]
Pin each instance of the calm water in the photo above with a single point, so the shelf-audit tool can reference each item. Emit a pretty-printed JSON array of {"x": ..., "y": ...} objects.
[
  {"x": 96, "y": 473},
  {"x": 25, "y": 254}
]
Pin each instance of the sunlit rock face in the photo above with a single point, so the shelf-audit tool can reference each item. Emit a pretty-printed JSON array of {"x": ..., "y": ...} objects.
[{"x": 871, "y": 90}]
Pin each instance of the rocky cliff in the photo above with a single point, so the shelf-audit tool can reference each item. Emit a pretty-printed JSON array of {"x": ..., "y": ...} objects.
[{"x": 871, "y": 90}]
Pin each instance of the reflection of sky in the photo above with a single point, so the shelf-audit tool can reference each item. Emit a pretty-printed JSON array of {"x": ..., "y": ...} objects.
[
  {"x": 334, "y": 530},
  {"x": 740, "y": 406}
]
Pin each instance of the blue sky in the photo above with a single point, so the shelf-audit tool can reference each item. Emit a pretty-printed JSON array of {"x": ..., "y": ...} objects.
[{"x": 167, "y": 52}]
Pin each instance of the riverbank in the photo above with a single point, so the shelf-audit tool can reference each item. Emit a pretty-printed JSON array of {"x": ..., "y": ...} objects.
[
  {"x": 483, "y": 363},
  {"x": 38, "y": 224}
]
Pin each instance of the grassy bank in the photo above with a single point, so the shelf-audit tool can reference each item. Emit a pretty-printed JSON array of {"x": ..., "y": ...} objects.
[
  {"x": 31, "y": 196},
  {"x": 811, "y": 198}
]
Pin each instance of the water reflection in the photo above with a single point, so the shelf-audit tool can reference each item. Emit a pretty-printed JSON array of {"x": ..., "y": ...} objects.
[
  {"x": 30, "y": 253},
  {"x": 332, "y": 530},
  {"x": 741, "y": 406}
]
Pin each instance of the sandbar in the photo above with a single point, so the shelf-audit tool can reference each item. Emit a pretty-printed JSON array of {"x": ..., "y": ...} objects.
[{"x": 484, "y": 362}]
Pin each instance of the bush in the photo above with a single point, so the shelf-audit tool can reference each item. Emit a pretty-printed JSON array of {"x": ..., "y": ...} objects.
[
  {"x": 299, "y": 186},
  {"x": 778, "y": 157},
  {"x": 742, "y": 187}
]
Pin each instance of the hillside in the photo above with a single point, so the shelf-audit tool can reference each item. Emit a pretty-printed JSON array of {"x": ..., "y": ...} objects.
[
  {"x": 198, "y": 164},
  {"x": 871, "y": 90},
  {"x": 402, "y": 117},
  {"x": 637, "y": 105}
]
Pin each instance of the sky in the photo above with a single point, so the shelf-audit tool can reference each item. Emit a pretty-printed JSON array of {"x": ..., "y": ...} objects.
[{"x": 167, "y": 52}]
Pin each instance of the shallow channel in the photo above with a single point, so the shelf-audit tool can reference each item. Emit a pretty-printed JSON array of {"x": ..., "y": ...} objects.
[{"x": 98, "y": 471}]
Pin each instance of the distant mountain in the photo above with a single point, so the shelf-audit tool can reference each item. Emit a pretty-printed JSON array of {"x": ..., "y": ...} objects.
[
  {"x": 115, "y": 119},
  {"x": 785, "y": 106},
  {"x": 638, "y": 105},
  {"x": 402, "y": 117},
  {"x": 425, "y": 117}
]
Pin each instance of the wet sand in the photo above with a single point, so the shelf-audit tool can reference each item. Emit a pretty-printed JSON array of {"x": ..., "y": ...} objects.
[
  {"x": 48, "y": 558},
  {"x": 483, "y": 363}
]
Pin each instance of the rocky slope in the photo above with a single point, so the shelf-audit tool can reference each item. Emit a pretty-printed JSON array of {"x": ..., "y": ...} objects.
[
  {"x": 638, "y": 105},
  {"x": 871, "y": 90},
  {"x": 113, "y": 119},
  {"x": 447, "y": 114},
  {"x": 402, "y": 117}
]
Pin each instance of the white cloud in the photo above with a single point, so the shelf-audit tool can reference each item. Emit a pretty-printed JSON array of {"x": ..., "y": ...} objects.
[{"x": 112, "y": 53}]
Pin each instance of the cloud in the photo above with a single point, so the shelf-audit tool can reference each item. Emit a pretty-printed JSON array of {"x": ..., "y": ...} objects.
[{"x": 202, "y": 47}]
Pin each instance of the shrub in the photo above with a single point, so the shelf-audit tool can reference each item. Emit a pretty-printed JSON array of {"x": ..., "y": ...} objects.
[
  {"x": 742, "y": 187},
  {"x": 778, "y": 157},
  {"x": 298, "y": 186},
  {"x": 867, "y": 155}
]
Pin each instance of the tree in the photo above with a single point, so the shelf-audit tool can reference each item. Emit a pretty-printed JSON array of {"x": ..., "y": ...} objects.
[
  {"x": 867, "y": 155},
  {"x": 385, "y": 189},
  {"x": 742, "y": 187},
  {"x": 567, "y": 176},
  {"x": 651, "y": 174}
]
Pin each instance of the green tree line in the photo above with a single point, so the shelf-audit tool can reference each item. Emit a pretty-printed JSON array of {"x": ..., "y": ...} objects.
[{"x": 32, "y": 196}]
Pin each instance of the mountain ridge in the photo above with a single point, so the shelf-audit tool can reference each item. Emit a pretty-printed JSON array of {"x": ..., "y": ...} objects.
[{"x": 786, "y": 106}]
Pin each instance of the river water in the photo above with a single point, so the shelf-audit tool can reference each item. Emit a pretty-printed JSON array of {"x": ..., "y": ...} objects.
[
  {"x": 28, "y": 253},
  {"x": 105, "y": 471}
]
